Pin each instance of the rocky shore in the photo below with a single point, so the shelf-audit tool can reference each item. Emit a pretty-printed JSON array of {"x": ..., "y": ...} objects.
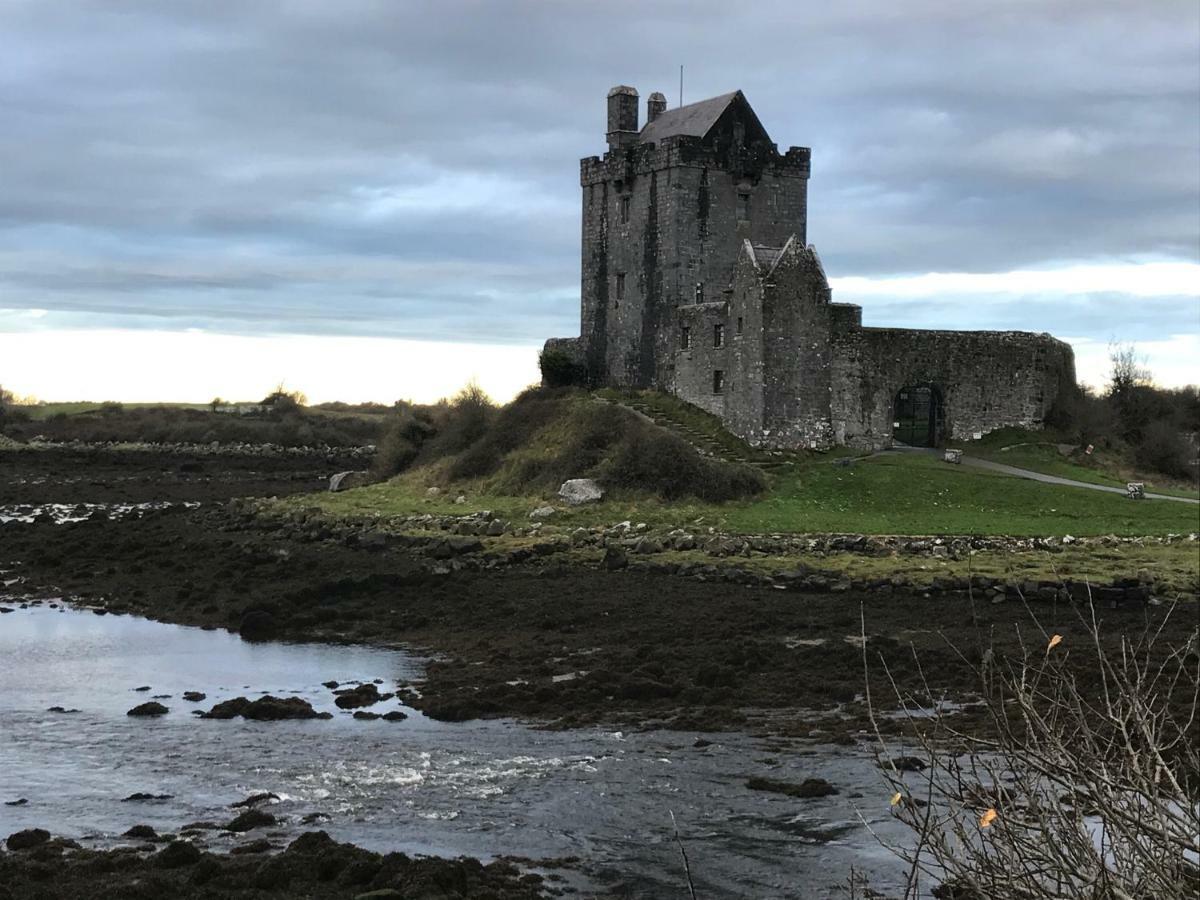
[
  {"x": 560, "y": 643},
  {"x": 36, "y": 866}
]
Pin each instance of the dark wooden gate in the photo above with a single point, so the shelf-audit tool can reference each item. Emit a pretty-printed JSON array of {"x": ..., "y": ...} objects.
[{"x": 918, "y": 416}]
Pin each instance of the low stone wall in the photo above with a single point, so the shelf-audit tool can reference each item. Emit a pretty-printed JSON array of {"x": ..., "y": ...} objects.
[
  {"x": 456, "y": 542},
  {"x": 215, "y": 448}
]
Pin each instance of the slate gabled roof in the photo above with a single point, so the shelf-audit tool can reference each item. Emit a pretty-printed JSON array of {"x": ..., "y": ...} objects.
[{"x": 694, "y": 119}]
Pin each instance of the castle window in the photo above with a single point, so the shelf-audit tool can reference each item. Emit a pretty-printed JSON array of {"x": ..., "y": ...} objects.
[
  {"x": 743, "y": 206},
  {"x": 718, "y": 336},
  {"x": 739, "y": 325},
  {"x": 625, "y": 210},
  {"x": 685, "y": 337},
  {"x": 718, "y": 381},
  {"x": 621, "y": 286},
  {"x": 699, "y": 291}
]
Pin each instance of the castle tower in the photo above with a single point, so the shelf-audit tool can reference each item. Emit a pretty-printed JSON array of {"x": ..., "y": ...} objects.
[{"x": 665, "y": 212}]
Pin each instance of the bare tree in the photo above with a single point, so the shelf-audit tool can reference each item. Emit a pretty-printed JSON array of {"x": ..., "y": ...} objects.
[{"x": 1072, "y": 791}]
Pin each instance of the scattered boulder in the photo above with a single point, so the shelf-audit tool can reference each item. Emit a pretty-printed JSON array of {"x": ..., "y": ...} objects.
[
  {"x": 141, "y": 833},
  {"x": 394, "y": 716},
  {"x": 614, "y": 559},
  {"x": 144, "y": 687},
  {"x": 19, "y": 802},
  {"x": 141, "y": 797},
  {"x": 30, "y": 837},
  {"x": 251, "y": 818},
  {"x": 344, "y": 481},
  {"x": 59, "y": 709},
  {"x": 177, "y": 854},
  {"x": 258, "y": 625},
  {"x": 265, "y": 709},
  {"x": 153, "y": 708},
  {"x": 577, "y": 491},
  {"x": 806, "y": 789},
  {"x": 543, "y": 512},
  {"x": 363, "y": 715},
  {"x": 194, "y": 696}
]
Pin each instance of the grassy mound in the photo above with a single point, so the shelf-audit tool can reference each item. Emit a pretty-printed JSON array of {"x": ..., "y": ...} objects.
[{"x": 547, "y": 436}]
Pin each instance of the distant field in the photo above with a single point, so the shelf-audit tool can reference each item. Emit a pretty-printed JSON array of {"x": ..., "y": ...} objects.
[{"x": 46, "y": 410}]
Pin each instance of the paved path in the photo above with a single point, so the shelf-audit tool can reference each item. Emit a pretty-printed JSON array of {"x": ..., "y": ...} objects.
[{"x": 978, "y": 463}]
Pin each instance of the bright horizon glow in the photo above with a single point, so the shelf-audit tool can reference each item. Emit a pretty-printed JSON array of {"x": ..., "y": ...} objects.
[
  {"x": 1146, "y": 279},
  {"x": 138, "y": 366}
]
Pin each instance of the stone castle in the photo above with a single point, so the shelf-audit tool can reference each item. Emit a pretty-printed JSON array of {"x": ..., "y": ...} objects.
[{"x": 698, "y": 280}]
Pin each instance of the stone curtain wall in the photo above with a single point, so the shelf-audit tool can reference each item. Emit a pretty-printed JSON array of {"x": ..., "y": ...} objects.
[{"x": 987, "y": 379}]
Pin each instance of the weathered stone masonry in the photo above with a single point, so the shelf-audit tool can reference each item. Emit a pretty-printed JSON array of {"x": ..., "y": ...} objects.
[{"x": 697, "y": 280}]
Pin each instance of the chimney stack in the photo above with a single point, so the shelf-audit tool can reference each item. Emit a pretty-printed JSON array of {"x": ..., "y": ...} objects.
[
  {"x": 656, "y": 105},
  {"x": 622, "y": 116}
]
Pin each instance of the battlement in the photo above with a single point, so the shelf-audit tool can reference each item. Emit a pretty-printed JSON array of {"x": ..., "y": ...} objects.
[{"x": 692, "y": 152}]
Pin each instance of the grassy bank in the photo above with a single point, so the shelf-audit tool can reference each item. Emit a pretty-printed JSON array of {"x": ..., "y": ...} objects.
[{"x": 889, "y": 494}]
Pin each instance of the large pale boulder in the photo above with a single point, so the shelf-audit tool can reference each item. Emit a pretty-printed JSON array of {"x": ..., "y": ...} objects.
[
  {"x": 577, "y": 491},
  {"x": 344, "y": 481}
]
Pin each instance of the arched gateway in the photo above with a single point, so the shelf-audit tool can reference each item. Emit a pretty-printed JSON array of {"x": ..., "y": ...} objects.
[{"x": 917, "y": 420}]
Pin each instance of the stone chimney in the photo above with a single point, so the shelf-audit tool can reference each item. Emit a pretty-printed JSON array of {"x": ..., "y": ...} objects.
[
  {"x": 622, "y": 116},
  {"x": 656, "y": 105}
]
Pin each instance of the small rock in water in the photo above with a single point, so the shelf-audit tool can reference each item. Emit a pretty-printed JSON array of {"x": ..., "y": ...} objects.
[
  {"x": 194, "y": 696},
  {"x": 394, "y": 716},
  {"x": 253, "y": 799},
  {"x": 329, "y": 684},
  {"x": 149, "y": 709},
  {"x": 21, "y": 802},
  {"x": 265, "y": 709},
  {"x": 904, "y": 764},
  {"x": 807, "y": 789},
  {"x": 144, "y": 687},
  {"x": 251, "y": 818},
  {"x": 141, "y": 796},
  {"x": 30, "y": 837},
  {"x": 141, "y": 833},
  {"x": 363, "y": 695},
  {"x": 59, "y": 709},
  {"x": 362, "y": 714}
]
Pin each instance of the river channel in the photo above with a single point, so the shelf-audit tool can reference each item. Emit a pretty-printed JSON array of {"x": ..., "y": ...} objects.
[{"x": 484, "y": 788}]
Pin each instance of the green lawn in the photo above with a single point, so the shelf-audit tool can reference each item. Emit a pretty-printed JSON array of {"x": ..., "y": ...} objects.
[
  {"x": 920, "y": 494},
  {"x": 890, "y": 494},
  {"x": 1031, "y": 450}
]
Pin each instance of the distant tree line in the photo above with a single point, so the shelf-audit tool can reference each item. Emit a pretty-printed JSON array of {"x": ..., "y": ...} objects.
[{"x": 1155, "y": 427}]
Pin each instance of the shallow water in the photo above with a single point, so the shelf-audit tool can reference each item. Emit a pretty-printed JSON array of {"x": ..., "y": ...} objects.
[{"x": 419, "y": 786}]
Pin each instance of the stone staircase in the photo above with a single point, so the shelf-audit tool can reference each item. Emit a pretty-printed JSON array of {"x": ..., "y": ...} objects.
[{"x": 731, "y": 450}]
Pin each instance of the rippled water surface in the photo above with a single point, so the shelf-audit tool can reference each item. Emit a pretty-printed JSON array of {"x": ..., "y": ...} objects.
[{"x": 419, "y": 786}]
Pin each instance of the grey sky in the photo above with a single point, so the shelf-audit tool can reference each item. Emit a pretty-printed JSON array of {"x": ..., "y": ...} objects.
[{"x": 411, "y": 168}]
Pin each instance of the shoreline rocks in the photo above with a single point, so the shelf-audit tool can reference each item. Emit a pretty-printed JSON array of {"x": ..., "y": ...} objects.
[
  {"x": 265, "y": 709},
  {"x": 151, "y": 709}
]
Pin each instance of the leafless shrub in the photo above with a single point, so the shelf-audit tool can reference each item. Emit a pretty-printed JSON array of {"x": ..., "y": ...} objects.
[{"x": 1084, "y": 781}]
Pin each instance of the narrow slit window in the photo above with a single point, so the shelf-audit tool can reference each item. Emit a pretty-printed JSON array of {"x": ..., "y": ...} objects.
[
  {"x": 718, "y": 336},
  {"x": 621, "y": 286},
  {"x": 699, "y": 291},
  {"x": 743, "y": 206},
  {"x": 718, "y": 381},
  {"x": 685, "y": 337},
  {"x": 739, "y": 325},
  {"x": 625, "y": 210}
]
